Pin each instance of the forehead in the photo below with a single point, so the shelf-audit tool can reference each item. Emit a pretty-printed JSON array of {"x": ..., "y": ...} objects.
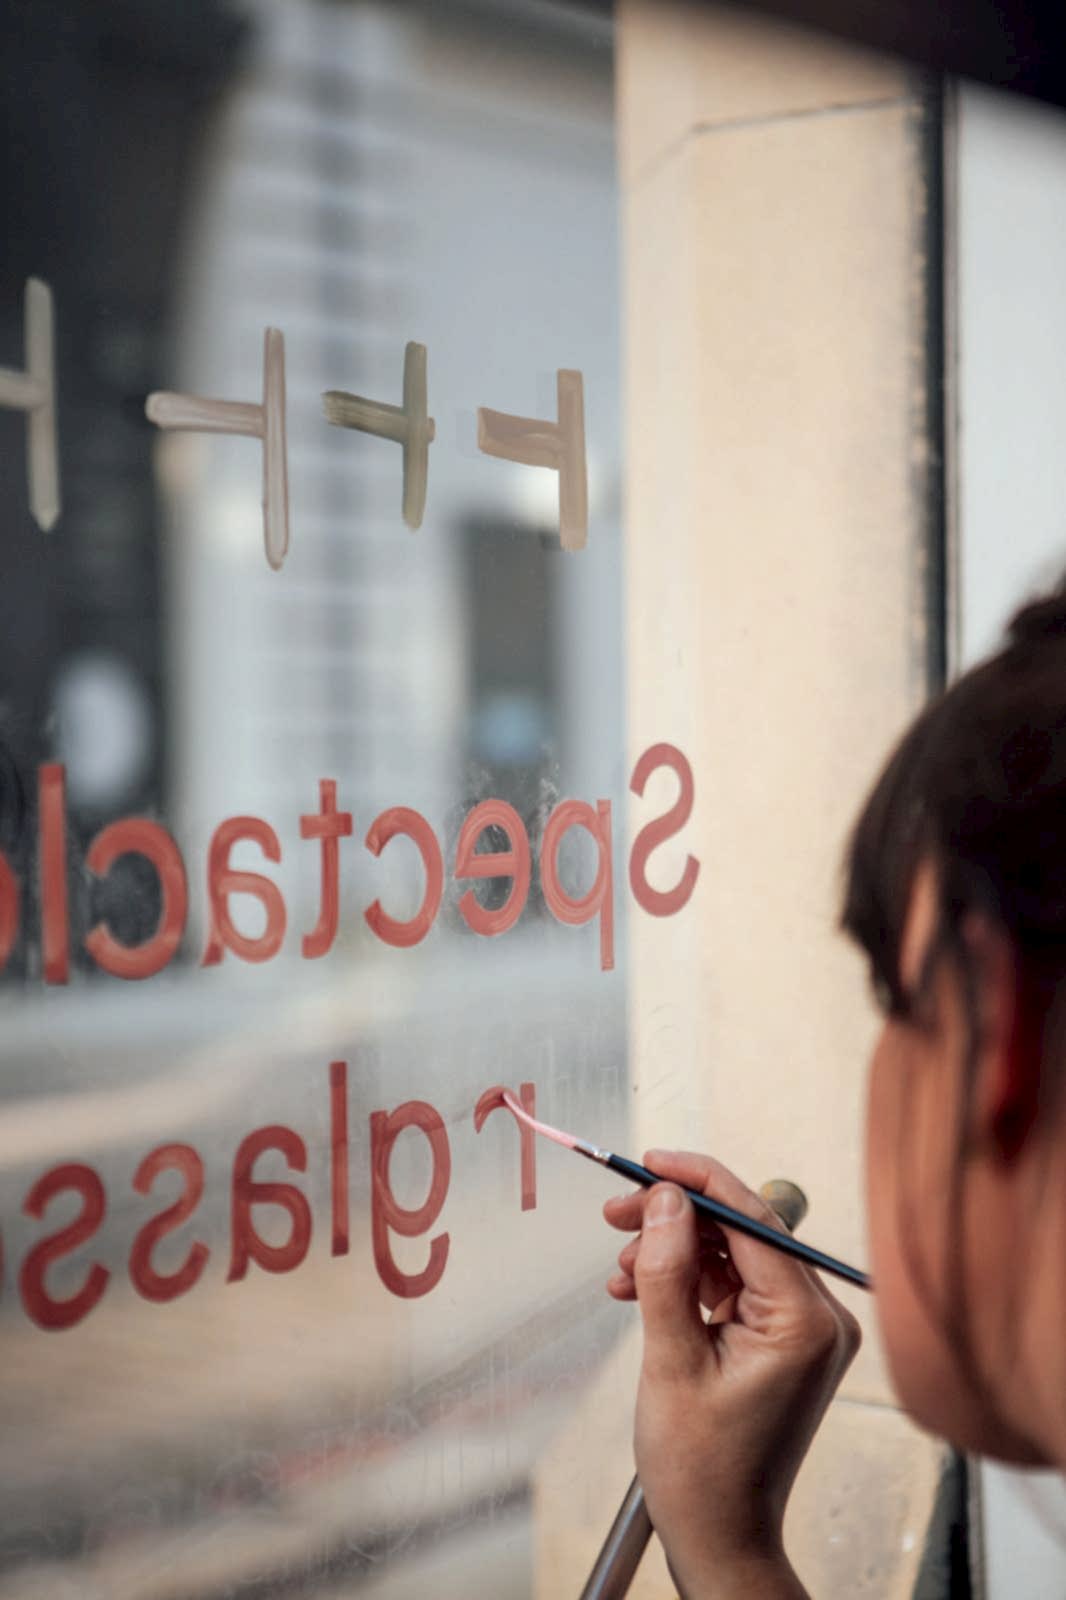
[{"x": 919, "y": 924}]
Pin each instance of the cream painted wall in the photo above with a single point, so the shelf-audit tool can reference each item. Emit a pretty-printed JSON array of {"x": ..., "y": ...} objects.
[{"x": 776, "y": 522}]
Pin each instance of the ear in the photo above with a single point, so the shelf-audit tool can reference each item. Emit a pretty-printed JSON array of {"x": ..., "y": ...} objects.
[{"x": 1006, "y": 1090}]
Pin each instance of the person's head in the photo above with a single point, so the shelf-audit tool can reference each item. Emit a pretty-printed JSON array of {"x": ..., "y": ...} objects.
[{"x": 955, "y": 887}]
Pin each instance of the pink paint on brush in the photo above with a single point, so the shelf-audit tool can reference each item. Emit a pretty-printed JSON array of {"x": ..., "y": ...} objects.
[
  {"x": 494, "y": 1100},
  {"x": 567, "y": 1140}
]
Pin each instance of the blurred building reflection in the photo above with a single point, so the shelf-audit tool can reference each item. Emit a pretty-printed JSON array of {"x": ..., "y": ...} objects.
[{"x": 357, "y": 175}]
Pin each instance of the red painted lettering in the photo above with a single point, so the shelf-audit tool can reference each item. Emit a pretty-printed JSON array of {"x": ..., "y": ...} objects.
[
  {"x": 246, "y": 1244},
  {"x": 222, "y": 881},
  {"x": 147, "y": 1282},
  {"x": 400, "y": 819},
  {"x": 137, "y": 836},
  {"x": 9, "y": 911},
  {"x": 338, "y": 1122},
  {"x": 512, "y": 863},
  {"x": 385, "y": 1210},
  {"x": 44, "y": 1308},
  {"x": 492, "y": 1100},
  {"x": 52, "y": 865},
  {"x": 660, "y": 902},
  {"x": 600, "y": 898},
  {"x": 328, "y": 826}
]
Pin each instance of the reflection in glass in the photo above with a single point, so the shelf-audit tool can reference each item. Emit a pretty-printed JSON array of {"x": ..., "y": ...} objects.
[{"x": 245, "y": 1407}]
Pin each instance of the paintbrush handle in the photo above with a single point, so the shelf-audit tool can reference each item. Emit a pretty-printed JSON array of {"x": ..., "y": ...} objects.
[
  {"x": 623, "y": 1547},
  {"x": 730, "y": 1218}
]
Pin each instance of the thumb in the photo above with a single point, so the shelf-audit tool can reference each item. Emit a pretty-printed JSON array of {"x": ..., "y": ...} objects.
[{"x": 667, "y": 1274}]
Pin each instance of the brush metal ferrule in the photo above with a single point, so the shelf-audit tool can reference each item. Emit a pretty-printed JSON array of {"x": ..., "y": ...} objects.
[{"x": 593, "y": 1152}]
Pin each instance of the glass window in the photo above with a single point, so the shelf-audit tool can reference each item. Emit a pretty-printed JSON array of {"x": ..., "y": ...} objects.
[{"x": 277, "y": 1312}]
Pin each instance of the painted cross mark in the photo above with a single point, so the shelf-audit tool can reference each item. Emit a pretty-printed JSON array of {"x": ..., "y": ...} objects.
[
  {"x": 408, "y": 425},
  {"x": 33, "y": 391},
  {"x": 190, "y": 413}
]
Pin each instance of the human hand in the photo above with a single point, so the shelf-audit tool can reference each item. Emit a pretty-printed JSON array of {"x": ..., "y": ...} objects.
[{"x": 727, "y": 1408}]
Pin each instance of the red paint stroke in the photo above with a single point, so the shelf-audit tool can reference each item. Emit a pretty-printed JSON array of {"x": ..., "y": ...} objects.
[
  {"x": 338, "y": 1122},
  {"x": 150, "y": 1284},
  {"x": 600, "y": 898},
  {"x": 512, "y": 863},
  {"x": 9, "y": 910},
  {"x": 328, "y": 826},
  {"x": 222, "y": 881},
  {"x": 137, "y": 836},
  {"x": 246, "y": 1244},
  {"x": 401, "y": 819},
  {"x": 659, "y": 902},
  {"x": 498, "y": 1098},
  {"x": 45, "y": 1310},
  {"x": 52, "y": 827},
  {"x": 385, "y": 1210}
]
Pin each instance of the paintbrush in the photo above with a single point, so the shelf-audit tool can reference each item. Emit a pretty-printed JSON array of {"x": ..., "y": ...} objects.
[{"x": 725, "y": 1216}]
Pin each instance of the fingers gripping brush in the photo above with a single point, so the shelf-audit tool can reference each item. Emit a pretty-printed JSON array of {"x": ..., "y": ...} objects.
[
  {"x": 620, "y": 1555},
  {"x": 627, "y": 1540}
]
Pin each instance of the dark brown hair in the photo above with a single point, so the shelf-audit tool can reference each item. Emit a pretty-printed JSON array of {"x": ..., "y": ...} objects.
[{"x": 977, "y": 785}]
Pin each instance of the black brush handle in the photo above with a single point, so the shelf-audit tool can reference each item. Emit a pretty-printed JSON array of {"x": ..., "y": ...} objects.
[{"x": 729, "y": 1218}]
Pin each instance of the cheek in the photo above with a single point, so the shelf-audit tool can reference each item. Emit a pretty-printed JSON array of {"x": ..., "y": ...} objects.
[
  {"x": 901, "y": 1251},
  {"x": 881, "y": 1198},
  {"x": 883, "y": 1112}
]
